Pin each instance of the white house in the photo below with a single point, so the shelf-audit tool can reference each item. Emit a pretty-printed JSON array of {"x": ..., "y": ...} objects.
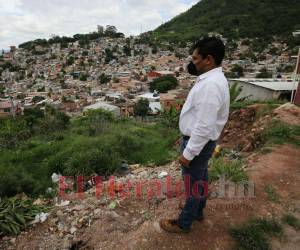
[{"x": 151, "y": 97}]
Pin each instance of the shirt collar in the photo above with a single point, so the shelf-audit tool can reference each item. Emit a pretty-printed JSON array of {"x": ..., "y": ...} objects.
[{"x": 210, "y": 73}]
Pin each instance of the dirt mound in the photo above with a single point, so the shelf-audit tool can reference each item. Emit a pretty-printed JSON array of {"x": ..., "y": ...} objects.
[
  {"x": 288, "y": 113},
  {"x": 243, "y": 130}
]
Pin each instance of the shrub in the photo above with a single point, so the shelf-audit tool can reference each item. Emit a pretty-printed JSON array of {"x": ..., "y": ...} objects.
[
  {"x": 253, "y": 234},
  {"x": 231, "y": 170}
]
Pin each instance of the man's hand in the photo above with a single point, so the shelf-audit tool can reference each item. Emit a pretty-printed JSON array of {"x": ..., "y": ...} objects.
[{"x": 184, "y": 162}]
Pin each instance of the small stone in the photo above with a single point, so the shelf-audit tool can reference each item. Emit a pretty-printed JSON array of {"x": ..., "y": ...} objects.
[
  {"x": 78, "y": 208},
  {"x": 113, "y": 215},
  {"x": 53, "y": 221},
  {"x": 60, "y": 226},
  {"x": 157, "y": 227},
  {"x": 60, "y": 214},
  {"x": 73, "y": 230},
  {"x": 97, "y": 211}
]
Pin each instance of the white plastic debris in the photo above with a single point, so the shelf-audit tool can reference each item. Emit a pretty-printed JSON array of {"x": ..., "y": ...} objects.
[
  {"x": 162, "y": 174},
  {"x": 62, "y": 203},
  {"x": 73, "y": 230},
  {"x": 49, "y": 190},
  {"x": 41, "y": 217},
  {"x": 55, "y": 177}
]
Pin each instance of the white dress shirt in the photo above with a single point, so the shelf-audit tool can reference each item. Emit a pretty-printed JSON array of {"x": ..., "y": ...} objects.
[{"x": 205, "y": 111}]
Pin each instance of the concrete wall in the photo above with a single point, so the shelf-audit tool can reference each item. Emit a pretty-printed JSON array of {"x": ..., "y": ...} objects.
[{"x": 255, "y": 92}]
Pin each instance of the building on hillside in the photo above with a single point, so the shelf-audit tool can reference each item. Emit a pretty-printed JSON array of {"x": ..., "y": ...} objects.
[
  {"x": 9, "y": 108},
  {"x": 151, "y": 97},
  {"x": 265, "y": 89},
  {"x": 156, "y": 74}
]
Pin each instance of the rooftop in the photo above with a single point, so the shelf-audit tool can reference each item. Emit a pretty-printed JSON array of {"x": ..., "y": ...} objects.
[{"x": 149, "y": 96}]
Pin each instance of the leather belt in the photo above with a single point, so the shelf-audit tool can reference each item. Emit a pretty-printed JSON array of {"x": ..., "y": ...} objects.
[{"x": 185, "y": 137}]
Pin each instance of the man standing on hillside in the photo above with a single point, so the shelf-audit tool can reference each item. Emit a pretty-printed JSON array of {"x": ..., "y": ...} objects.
[{"x": 202, "y": 120}]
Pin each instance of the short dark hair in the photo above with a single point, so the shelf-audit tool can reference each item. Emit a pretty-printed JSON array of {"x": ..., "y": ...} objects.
[{"x": 211, "y": 46}]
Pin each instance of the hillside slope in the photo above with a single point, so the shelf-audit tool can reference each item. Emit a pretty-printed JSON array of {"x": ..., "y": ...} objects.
[{"x": 243, "y": 18}]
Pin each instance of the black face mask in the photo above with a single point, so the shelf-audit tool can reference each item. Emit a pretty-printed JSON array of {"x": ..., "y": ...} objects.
[{"x": 191, "y": 68}]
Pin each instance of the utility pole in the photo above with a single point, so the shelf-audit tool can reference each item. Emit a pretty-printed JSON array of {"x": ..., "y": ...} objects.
[{"x": 295, "y": 97}]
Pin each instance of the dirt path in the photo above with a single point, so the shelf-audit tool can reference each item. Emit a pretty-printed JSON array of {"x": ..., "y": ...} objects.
[{"x": 281, "y": 169}]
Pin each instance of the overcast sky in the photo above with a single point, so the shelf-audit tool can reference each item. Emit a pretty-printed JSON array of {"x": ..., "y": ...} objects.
[{"x": 24, "y": 20}]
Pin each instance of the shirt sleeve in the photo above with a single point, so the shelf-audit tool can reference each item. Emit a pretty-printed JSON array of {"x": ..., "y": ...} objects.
[{"x": 206, "y": 111}]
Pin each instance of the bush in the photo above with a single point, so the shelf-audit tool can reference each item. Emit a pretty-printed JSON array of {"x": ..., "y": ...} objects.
[
  {"x": 170, "y": 118},
  {"x": 14, "y": 180},
  {"x": 253, "y": 234},
  {"x": 279, "y": 133},
  {"x": 292, "y": 221},
  {"x": 13, "y": 132},
  {"x": 163, "y": 84},
  {"x": 231, "y": 170},
  {"x": 16, "y": 213},
  {"x": 141, "y": 108},
  {"x": 89, "y": 144}
]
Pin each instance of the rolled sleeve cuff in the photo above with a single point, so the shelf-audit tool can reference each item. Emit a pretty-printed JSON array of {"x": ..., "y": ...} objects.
[{"x": 187, "y": 155}]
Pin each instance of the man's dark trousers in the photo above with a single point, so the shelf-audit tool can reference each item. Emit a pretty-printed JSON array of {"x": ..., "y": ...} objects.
[{"x": 196, "y": 184}]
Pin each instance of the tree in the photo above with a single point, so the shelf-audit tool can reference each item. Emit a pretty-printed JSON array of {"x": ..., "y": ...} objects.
[
  {"x": 41, "y": 89},
  {"x": 104, "y": 78},
  {"x": 182, "y": 44},
  {"x": 64, "y": 99},
  {"x": 127, "y": 50},
  {"x": 108, "y": 55},
  {"x": 2, "y": 90},
  {"x": 141, "y": 108},
  {"x": 36, "y": 99},
  {"x": 264, "y": 73},
  {"x": 63, "y": 84},
  {"x": 154, "y": 49},
  {"x": 110, "y": 30},
  {"x": 83, "y": 77},
  {"x": 237, "y": 70},
  {"x": 70, "y": 60},
  {"x": 85, "y": 53},
  {"x": 163, "y": 84},
  {"x": 116, "y": 79}
]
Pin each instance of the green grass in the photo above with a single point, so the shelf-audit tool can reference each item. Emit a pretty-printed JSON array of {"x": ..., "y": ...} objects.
[
  {"x": 269, "y": 105},
  {"x": 272, "y": 194},
  {"x": 280, "y": 133},
  {"x": 292, "y": 221},
  {"x": 231, "y": 169},
  {"x": 253, "y": 235},
  {"x": 95, "y": 143}
]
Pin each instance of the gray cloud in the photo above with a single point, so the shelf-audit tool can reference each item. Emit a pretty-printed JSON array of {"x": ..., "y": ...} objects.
[{"x": 23, "y": 20}]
